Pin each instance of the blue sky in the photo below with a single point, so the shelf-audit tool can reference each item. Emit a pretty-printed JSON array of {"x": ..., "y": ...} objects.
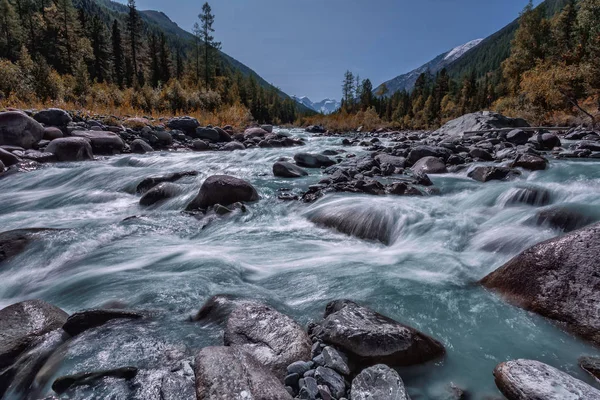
[{"x": 305, "y": 46}]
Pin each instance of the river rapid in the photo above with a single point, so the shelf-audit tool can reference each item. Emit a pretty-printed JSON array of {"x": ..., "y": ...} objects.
[{"x": 169, "y": 263}]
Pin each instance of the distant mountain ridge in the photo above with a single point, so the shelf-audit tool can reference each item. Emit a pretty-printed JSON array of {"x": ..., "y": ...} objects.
[
  {"x": 326, "y": 106},
  {"x": 407, "y": 81}
]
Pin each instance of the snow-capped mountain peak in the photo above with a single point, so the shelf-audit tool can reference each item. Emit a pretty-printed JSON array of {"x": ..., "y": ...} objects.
[
  {"x": 458, "y": 52},
  {"x": 326, "y": 106}
]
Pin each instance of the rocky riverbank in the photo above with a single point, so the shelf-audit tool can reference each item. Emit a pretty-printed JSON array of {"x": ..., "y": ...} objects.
[{"x": 352, "y": 352}]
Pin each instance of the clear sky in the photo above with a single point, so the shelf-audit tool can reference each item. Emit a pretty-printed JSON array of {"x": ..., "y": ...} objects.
[{"x": 305, "y": 46}]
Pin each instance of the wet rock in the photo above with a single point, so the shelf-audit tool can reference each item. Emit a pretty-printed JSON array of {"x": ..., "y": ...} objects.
[
  {"x": 588, "y": 145},
  {"x": 8, "y": 158},
  {"x": 71, "y": 149},
  {"x": 255, "y": 132},
  {"x": 17, "y": 380},
  {"x": 591, "y": 365},
  {"x": 299, "y": 367},
  {"x": 394, "y": 161},
  {"x": 84, "y": 320},
  {"x": 287, "y": 170},
  {"x": 14, "y": 242},
  {"x": 328, "y": 377},
  {"x": 336, "y": 360},
  {"x": 186, "y": 124},
  {"x": 481, "y": 154},
  {"x": 139, "y": 146},
  {"x": 488, "y": 173},
  {"x": 365, "y": 222},
  {"x": 17, "y": 129},
  {"x": 313, "y": 160},
  {"x": 309, "y": 390},
  {"x": 533, "y": 196},
  {"x": 420, "y": 152},
  {"x": 430, "y": 165},
  {"x": 161, "y": 192},
  {"x": 200, "y": 145},
  {"x": 565, "y": 218},
  {"x": 23, "y": 323},
  {"x": 369, "y": 338},
  {"x": 217, "y": 309},
  {"x": 107, "y": 143},
  {"x": 208, "y": 134},
  {"x": 378, "y": 382},
  {"x": 225, "y": 373},
  {"x": 64, "y": 383},
  {"x": 232, "y": 146},
  {"x": 2, "y": 167},
  {"x": 517, "y": 137},
  {"x": 274, "y": 339},
  {"x": 224, "y": 190},
  {"x": 548, "y": 141},
  {"x": 483, "y": 120},
  {"x": 528, "y": 379},
  {"x": 557, "y": 279},
  {"x": 267, "y": 128},
  {"x": 530, "y": 162},
  {"x": 53, "y": 117},
  {"x": 39, "y": 157},
  {"x": 316, "y": 129},
  {"x": 51, "y": 133},
  {"x": 149, "y": 183}
]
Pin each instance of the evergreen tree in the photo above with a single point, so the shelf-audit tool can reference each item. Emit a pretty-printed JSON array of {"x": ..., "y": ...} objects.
[
  {"x": 155, "y": 72},
  {"x": 67, "y": 32},
  {"x": 178, "y": 63},
  {"x": 10, "y": 31},
  {"x": 164, "y": 59},
  {"x": 366, "y": 94},
  {"x": 348, "y": 90},
  {"x": 210, "y": 45},
  {"x": 134, "y": 32},
  {"x": 101, "y": 68},
  {"x": 117, "y": 54}
]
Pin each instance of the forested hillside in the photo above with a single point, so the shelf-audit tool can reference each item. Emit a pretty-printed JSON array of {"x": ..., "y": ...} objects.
[{"x": 84, "y": 53}]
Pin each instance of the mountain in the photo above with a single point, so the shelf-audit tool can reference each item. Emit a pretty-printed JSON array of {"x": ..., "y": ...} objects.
[
  {"x": 494, "y": 49},
  {"x": 326, "y": 106},
  {"x": 407, "y": 81},
  {"x": 177, "y": 38}
]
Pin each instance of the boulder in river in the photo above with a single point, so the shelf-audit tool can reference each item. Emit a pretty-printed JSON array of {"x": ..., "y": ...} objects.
[
  {"x": 15, "y": 242},
  {"x": 84, "y": 320},
  {"x": 532, "y": 380},
  {"x": 71, "y": 149},
  {"x": 51, "y": 133},
  {"x": 430, "y": 165},
  {"x": 483, "y": 120},
  {"x": 149, "y": 183},
  {"x": 53, "y": 117},
  {"x": 22, "y": 323},
  {"x": 378, "y": 382},
  {"x": 369, "y": 338},
  {"x": 8, "y": 158},
  {"x": 224, "y": 190},
  {"x": 273, "y": 338},
  {"x": 226, "y": 373},
  {"x": 140, "y": 146},
  {"x": 208, "y": 134},
  {"x": 517, "y": 136},
  {"x": 421, "y": 151},
  {"x": 307, "y": 160},
  {"x": 566, "y": 218},
  {"x": 530, "y": 195},
  {"x": 162, "y": 191},
  {"x": 530, "y": 162},
  {"x": 364, "y": 221},
  {"x": 18, "y": 129},
  {"x": 233, "y": 146},
  {"x": 591, "y": 365},
  {"x": 186, "y": 124},
  {"x": 102, "y": 142},
  {"x": 63, "y": 383},
  {"x": 484, "y": 173},
  {"x": 558, "y": 279},
  {"x": 285, "y": 169}
]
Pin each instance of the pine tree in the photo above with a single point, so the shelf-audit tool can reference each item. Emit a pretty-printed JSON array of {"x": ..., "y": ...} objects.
[
  {"x": 564, "y": 32},
  {"x": 117, "y": 54},
  {"x": 134, "y": 32},
  {"x": 164, "y": 59},
  {"x": 154, "y": 62},
  {"x": 67, "y": 31},
  {"x": 101, "y": 68},
  {"x": 210, "y": 45},
  {"x": 348, "y": 90},
  {"x": 10, "y": 31},
  {"x": 366, "y": 94},
  {"x": 178, "y": 64}
]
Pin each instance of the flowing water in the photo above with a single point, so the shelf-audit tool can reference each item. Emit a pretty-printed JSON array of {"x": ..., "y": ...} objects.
[{"x": 170, "y": 263}]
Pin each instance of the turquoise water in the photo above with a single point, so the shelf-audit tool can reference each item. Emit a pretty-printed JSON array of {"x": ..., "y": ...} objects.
[{"x": 170, "y": 263}]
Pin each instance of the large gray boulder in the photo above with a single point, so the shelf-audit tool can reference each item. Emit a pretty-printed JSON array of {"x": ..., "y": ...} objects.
[
  {"x": 287, "y": 170},
  {"x": 274, "y": 339},
  {"x": 71, "y": 149},
  {"x": 102, "y": 142},
  {"x": 227, "y": 373},
  {"x": 307, "y": 160},
  {"x": 483, "y": 120},
  {"x": 223, "y": 190},
  {"x": 14, "y": 242},
  {"x": 369, "y": 338},
  {"x": 139, "y": 146},
  {"x": 486, "y": 173},
  {"x": 369, "y": 222},
  {"x": 378, "y": 382},
  {"x": 419, "y": 152},
  {"x": 558, "y": 279},
  {"x": 430, "y": 165},
  {"x": 533, "y": 380},
  {"x": 22, "y": 323},
  {"x": 18, "y": 129},
  {"x": 149, "y": 183},
  {"x": 161, "y": 192},
  {"x": 186, "y": 124},
  {"x": 53, "y": 117},
  {"x": 8, "y": 158}
]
